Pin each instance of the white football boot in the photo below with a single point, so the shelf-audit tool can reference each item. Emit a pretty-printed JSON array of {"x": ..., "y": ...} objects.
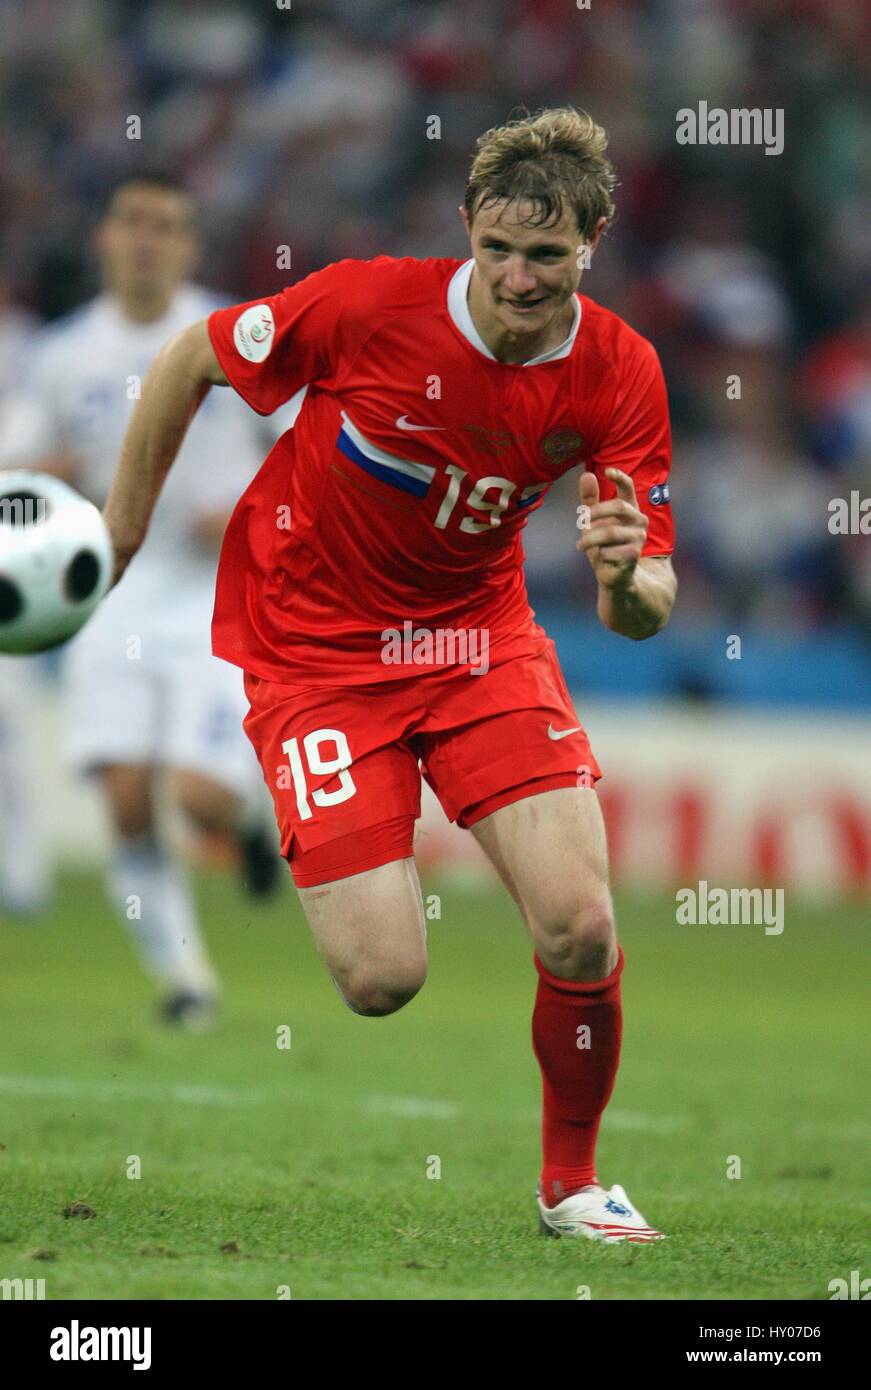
[{"x": 598, "y": 1215}]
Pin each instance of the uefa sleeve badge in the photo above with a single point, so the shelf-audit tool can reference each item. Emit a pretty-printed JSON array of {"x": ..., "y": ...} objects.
[{"x": 254, "y": 331}]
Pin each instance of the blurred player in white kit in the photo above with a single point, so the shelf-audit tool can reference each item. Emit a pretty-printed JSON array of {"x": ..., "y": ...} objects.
[
  {"x": 25, "y": 873},
  {"x": 143, "y": 691}
]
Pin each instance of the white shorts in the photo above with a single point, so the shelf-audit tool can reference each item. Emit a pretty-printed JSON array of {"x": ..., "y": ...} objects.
[{"x": 166, "y": 702}]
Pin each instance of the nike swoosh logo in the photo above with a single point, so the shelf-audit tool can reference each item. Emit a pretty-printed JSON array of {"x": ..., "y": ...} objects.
[
  {"x": 561, "y": 733},
  {"x": 403, "y": 424}
]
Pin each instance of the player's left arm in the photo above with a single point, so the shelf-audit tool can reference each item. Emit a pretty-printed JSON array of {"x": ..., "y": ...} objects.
[
  {"x": 628, "y": 530},
  {"x": 636, "y": 592}
]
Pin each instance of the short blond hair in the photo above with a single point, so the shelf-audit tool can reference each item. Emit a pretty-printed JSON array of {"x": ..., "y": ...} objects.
[{"x": 553, "y": 158}]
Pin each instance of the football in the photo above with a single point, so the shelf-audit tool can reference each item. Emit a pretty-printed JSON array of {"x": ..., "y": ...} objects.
[{"x": 56, "y": 561}]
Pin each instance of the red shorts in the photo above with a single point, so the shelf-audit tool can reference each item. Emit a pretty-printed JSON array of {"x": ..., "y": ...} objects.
[{"x": 344, "y": 763}]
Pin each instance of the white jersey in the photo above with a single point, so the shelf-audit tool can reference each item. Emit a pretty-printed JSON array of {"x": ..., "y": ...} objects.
[
  {"x": 16, "y": 327},
  {"x": 85, "y": 374}
]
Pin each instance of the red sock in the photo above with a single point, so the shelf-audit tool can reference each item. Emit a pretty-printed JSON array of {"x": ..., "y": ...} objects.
[{"x": 577, "y": 1081}]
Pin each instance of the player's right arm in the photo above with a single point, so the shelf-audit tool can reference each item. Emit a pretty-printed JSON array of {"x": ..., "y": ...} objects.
[
  {"x": 176, "y": 385},
  {"x": 266, "y": 350}
]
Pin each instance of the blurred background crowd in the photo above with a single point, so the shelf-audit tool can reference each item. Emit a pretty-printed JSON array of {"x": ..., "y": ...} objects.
[{"x": 307, "y": 124}]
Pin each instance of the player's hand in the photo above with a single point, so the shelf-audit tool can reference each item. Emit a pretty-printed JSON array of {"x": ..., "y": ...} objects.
[
  {"x": 123, "y": 552},
  {"x": 613, "y": 532},
  {"x": 121, "y": 564}
]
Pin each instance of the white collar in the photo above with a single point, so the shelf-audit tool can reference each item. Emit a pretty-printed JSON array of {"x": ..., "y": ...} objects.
[{"x": 458, "y": 308}]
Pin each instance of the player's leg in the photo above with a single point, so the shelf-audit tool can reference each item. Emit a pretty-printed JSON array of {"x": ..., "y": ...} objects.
[
  {"x": 152, "y": 895},
  {"x": 369, "y": 929},
  {"x": 550, "y": 851},
  {"x": 511, "y": 761},
  {"x": 346, "y": 790},
  {"x": 113, "y": 718},
  {"x": 25, "y": 876},
  {"x": 213, "y": 776},
  {"x": 128, "y": 795},
  {"x": 215, "y": 808}
]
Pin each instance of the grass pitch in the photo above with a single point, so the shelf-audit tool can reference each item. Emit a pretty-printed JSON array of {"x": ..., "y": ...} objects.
[{"x": 305, "y": 1169}]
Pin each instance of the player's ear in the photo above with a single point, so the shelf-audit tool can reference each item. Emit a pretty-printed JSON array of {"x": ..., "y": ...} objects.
[
  {"x": 465, "y": 216},
  {"x": 597, "y": 234}
]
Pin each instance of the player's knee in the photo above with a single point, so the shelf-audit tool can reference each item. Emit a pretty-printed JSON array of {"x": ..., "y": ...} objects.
[
  {"x": 580, "y": 942},
  {"x": 375, "y": 992},
  {"x": 131, "y": 822},
  {"x": 208, "y": 805},
  {"x": 129, "y": 803}
]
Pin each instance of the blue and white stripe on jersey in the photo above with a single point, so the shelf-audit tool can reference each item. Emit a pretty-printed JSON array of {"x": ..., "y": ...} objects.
[
  {"x": 389, "y": 468},
  {"x": 534, "y": 494}
]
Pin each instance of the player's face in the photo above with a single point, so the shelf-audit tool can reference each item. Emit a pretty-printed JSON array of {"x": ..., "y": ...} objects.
[
  {"x": 146, "y": 242},
  {"x": 528, "y": 274}
]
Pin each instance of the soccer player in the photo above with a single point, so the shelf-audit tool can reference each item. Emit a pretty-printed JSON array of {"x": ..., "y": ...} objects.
[
  {"x": 25, "y": 873},
  {"x": 143, "y": 691},
  {"x": 444, "y": 399}
]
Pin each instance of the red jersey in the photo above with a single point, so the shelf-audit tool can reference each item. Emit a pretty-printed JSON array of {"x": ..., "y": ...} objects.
[{"x": 401, "y": 492}]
